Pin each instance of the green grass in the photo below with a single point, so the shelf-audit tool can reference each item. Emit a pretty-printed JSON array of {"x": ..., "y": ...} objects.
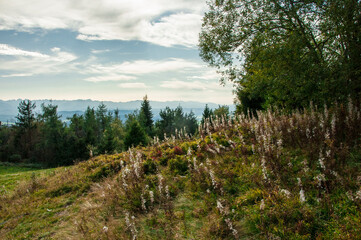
[{"x": 11, "y": 175}]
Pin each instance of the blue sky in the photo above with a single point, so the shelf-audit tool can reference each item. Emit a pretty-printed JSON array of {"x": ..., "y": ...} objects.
[{"x": 114, "y": 50}]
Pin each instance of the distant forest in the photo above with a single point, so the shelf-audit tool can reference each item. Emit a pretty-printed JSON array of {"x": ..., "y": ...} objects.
[{"x": 43, "y": 138}]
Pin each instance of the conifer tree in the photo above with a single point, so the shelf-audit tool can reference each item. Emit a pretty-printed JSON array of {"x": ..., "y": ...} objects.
[
  {"x": 26, "y": 117},
  {"x": 146, "y": 117},
  {"x": 25, "y": 128},
  {"x": 53, "y": 132},
  {"x": 135, "y": 136},
  {"x": 207, "y": 114}
]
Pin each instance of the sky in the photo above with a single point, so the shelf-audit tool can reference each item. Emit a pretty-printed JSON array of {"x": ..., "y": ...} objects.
[{"x": 108, "y": 50}]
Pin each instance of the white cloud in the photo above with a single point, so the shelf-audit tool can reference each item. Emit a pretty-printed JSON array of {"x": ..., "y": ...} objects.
[
  {"x": 132, "y": 85},
  {"x": 176, "y": 84},
  {"x": 110, "y": 78},
  {"x": 100, "y": 51},
  {"x": 12, "y": 51},
  {"x": 28, "y": 63},
  {"x": 130, "y": 70},
  {"x": 210, "y": 74},
  {"x": 204, "y": 85},
  {"x": 176, "y": 29},
  {"x": 17, "y": 75},
  {"x": 157, "y": 21}
]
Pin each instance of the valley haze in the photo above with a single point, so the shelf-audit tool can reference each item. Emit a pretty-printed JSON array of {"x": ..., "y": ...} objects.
[{"x": 67, "y": 108}]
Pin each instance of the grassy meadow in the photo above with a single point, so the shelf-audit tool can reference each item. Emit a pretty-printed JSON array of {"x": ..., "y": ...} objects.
[{"x": 277, "y": 176}]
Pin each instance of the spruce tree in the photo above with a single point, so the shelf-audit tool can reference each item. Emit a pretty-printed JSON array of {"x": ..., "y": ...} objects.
[
  {"x": 24, "y": 139},
  {"x": 146, "y": 117},
  {"x": 26, "y": 117},
  {"x": 135, "y": 136},
  {"x": 207, "y": 114}
]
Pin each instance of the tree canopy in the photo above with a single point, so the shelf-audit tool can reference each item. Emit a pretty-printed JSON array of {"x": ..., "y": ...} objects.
[{"x": 285, "y": 52}]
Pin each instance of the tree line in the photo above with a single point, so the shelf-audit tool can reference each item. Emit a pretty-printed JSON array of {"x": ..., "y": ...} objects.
[{"x": 44, "y": 138}]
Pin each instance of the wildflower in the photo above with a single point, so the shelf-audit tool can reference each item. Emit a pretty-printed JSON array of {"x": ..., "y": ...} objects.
[
  {"x": 308, "y": 133},
  {"x": 302, "y": 196},
  {"x": 151, "y": 194},
  {"x": 358, "y": 195},
  {"x": 333, "y": 125},
  {"x": 320, "y": 178},
  {"x": 160, "y": 186},
  {"x": 131, "y": 225},
  {"x": 189, "y": 153},
  {"x": 262, "y": 205},
  {"x": 264, "y": 170},
  {"x": 320, "y": 161},
  {"x": 211, "y": 174},
  {"x": 143, "y": 201},
  {"x": 167, "y": 192},
  {"x": 327, "y": 134},
  {"x": 305, "y": 165},
  {"x": 220, "y": 207},
  {"x": 195, "y": 164},
  {"x": 105, "y": 229},
  {"x": 328, "y": 153},
  {"x": 286, "y": 192},
  {"x": 230, "y": 226}
]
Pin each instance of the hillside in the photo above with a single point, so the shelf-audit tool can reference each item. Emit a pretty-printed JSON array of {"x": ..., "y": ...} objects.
[{"x": 277, "y": 176}]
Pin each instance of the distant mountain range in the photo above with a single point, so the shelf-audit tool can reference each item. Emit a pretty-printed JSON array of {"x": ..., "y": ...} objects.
[{"x": 67, "y": 108}]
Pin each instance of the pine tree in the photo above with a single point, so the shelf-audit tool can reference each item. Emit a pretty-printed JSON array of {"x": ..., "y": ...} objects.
[
  {"x": 146, "y": 117},
  {"x": 90, "y": 126},
  {"x": 26, "y": 117},
  {"x": 207, "y": 114},
  {"x": 135, "y": 136},
  {"x": 25, "y": 128},
  {"x": 53, "y": 133}
]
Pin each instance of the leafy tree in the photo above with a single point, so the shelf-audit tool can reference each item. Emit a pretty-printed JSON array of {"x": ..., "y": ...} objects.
[
  {"x": 221, "y": 111},
  {"x": 146, "y": 116},
  {"x": 285, "y": 52}
]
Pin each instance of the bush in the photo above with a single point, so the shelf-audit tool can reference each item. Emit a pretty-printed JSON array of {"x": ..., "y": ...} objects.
[{"x": 179, "y": 165}]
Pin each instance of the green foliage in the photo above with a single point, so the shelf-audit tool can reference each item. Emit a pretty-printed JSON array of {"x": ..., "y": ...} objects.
[
  {"x": 174, "y": 121},
  {"x": 26, "y": 117},
  {"x": 135, "y": 135},
  {"x": 207, "y": 114},
  {"x": 53, "y": 138},
  {"x": 149, "y": 166},
  {"x": 222, "y": 111},
  {"x": 50, "y": 141},
  {"x": 276, "y": 176},
  {"x": 146, "y": 117},
  {"x": 178, "y": 165},
  {"x": 285, "y": 53}
]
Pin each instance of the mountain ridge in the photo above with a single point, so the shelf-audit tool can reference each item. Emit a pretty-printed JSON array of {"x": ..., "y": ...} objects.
[{"x": 8, "y": 108}]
